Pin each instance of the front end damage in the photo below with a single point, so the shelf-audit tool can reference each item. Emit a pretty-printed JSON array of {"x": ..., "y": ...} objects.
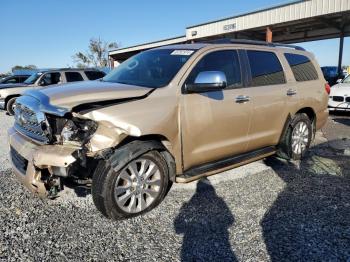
[
  {"x": 50, "y": 146},
  {"x": 34, "y": 165}
]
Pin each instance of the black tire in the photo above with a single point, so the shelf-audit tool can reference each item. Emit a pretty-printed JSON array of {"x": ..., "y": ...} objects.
[
  {"x": 285, "y": 149},
  {"x": 9, "y": 106},
  {"x": 105, "y": 179}
]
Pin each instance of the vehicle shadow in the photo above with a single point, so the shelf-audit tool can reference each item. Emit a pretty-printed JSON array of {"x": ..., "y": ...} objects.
[
  {"x": 79, "y": 189},
  {"x": 339, "y": 113},
  {"x": 343, "y": 121},
  {"x": 204, "y": 222},
  {"x": 310, "y": 219}
]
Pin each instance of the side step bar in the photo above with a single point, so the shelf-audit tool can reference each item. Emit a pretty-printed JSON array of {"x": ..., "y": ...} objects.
[{"x": 212, "y": 168}]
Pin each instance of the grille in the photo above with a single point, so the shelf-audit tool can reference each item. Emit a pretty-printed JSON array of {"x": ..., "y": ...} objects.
[
  {"x": 347, "y": 99},
  {"x": 30, "y": 123},
  {"x": 338, "y": 98},
  {"x": 20, "y": 162}
]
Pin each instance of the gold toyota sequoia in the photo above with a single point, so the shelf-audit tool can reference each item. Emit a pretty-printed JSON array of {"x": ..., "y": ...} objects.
[{"x": 171, "y": 114}]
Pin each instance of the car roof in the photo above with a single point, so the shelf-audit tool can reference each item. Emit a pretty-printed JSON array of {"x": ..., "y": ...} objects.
[
  {"x": 196, "y": 46},
  {"x": 69, "y": 70},
  {"x": 233, "y": 42}
]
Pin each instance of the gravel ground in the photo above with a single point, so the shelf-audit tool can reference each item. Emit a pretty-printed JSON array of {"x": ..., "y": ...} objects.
[{"x": 266, "y": 211}]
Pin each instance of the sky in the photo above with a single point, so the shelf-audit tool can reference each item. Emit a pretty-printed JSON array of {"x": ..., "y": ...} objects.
[{"x": 47, "y": 33}]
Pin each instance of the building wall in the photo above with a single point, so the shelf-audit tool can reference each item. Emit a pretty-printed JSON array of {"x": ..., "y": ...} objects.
[{"x": 287, "y": 13}]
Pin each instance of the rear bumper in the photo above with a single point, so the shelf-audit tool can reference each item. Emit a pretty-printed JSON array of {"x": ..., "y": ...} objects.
[{"x": 38, "y": 157}]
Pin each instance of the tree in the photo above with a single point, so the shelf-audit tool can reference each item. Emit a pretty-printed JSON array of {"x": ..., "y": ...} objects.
[
  {"x": 18, "y": 67},
  {"x": 97, "y": 54}
]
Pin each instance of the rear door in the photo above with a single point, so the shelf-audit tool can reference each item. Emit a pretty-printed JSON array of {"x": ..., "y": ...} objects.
[
  {"x": 214, "y": 124},
  {"x": 268, "y": 95}
]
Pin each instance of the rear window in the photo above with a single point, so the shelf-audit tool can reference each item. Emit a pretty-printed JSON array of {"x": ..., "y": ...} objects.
[
  {"x": 302, "y": 67},
  {"x": 266, "y": 69},
  {"x": 93, "y": 75},
  {"x": 73, "y": 77}
]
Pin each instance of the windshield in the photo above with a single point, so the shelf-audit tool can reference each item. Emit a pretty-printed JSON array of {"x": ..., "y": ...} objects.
[
  {"x": 154, "y": 69},
  {"x": 347, "y": 80},
  {"x": 31, "y": 80}
]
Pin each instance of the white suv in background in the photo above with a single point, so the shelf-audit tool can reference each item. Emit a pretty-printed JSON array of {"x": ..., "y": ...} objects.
[
  {"x": 339, "y": 99},
  {"x": 41, "y": 79}
]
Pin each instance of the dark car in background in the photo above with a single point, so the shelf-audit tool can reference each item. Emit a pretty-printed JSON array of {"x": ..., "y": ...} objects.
[
  {"x": 14, "y": 79},
  {"x": 332, "y": 74}
]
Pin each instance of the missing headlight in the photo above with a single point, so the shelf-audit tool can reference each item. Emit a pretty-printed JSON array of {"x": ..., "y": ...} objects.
[{"x": 77, "y": 131}]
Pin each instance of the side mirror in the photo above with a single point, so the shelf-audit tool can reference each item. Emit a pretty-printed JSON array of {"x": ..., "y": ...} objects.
[
  {"x": 42, "y": 82},
  {"x": 208, "y": 81}
]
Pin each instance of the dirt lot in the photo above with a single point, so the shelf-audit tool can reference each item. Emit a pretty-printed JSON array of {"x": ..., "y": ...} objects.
[{"x": 267, "y": 211}]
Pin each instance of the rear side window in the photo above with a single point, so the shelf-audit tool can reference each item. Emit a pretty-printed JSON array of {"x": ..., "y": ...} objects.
[
  {"x": 73, "y": 77},
  {"x": 93, "y": 75},
  {"x": 224, "y": 61},
  {"x": 266, "y": 69},
  {"x": 302, "y": 67}
]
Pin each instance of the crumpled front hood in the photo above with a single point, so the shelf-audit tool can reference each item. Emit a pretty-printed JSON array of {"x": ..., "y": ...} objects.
[
  {"x": 5, "y": 86},
  {"x": 72, "y": 95}
]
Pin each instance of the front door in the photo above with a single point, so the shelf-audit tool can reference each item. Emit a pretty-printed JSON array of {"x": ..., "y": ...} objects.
[{"x": 215, "y": 124}]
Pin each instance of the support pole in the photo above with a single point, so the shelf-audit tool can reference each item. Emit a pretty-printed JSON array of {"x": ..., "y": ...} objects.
[
  {"x": 269, "y": 35},
  {"x": 111, "y": 62},
  {"x": 341, "y": 49}
]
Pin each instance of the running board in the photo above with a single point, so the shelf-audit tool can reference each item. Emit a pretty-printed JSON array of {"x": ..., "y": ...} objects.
[{"x": 223, "y": 164}]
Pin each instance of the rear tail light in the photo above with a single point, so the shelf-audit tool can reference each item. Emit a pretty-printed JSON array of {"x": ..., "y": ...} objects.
[{"x": 328, "y": 88}]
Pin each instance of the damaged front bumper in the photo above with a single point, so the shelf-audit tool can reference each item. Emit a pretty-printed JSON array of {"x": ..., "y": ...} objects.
[{"x": 29, "y": 159}]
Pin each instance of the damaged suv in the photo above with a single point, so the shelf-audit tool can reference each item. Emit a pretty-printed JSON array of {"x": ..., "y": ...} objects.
[{"x": 171, "y": 114}]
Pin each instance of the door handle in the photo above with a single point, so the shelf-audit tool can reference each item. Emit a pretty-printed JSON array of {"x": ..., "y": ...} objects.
[
  {"x": 242, "y": 99},
  {"x": 291, "y": 92}
]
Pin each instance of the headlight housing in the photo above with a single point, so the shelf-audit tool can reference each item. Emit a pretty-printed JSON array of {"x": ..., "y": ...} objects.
[{"x": 77, "y": 131}]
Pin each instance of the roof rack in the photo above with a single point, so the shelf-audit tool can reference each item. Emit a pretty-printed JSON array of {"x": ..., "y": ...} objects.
[{"x": 253, "y": 42}]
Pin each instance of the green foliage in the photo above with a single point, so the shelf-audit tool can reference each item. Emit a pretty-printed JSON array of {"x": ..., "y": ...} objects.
[
  {"x": 96, "y": 55},
  {"x": 18, "y": 67}
]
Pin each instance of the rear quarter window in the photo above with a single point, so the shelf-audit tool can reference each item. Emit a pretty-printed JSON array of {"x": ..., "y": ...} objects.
[
  {"x": 302, "y": 67},
  {"x": 73, "y": 77},
  {"x": 266, "y": 69},
  {"x": 93, "y": 75}
]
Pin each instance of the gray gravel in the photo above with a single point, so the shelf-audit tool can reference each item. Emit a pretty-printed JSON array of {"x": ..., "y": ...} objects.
[{"x": 266, "y": 211}]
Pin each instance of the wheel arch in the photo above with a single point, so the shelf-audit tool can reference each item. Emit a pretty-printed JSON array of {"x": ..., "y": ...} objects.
[
  {"x": 310, "y": 112},
  {"x": 154, "y": 142},
  {"x": 10, "y": 97},
  {"x": 306, "y": 110}
]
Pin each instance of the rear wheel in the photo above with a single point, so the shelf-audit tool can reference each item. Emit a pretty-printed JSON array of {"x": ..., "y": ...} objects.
[
  {"x": 297, "y": 138},
  {"x": 133, "y": 190},
  {"x": 10, "y": 106}
]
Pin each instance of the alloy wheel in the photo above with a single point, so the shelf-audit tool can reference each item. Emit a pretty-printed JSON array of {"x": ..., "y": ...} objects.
[
  {"x": 300, "y": 138},
  {"x": 138, "y": 185}
]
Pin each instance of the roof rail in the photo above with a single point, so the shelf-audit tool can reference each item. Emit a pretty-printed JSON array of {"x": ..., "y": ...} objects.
[{"x": 253, "y": 42}]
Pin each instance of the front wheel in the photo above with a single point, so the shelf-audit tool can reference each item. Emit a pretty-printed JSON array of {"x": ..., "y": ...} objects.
[
  {"x": 297, "y": 139},
  {"x": 133, "y": 190}
]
